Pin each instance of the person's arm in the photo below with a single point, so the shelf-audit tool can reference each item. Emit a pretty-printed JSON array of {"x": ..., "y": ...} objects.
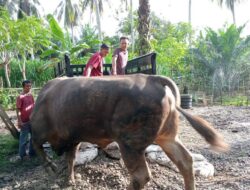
[
  {"x": 19, "y": 121},
  {"x": 88, "y": 72},
  {"x": 114, "y": 59},
  {"x": 18, "y": 112}
]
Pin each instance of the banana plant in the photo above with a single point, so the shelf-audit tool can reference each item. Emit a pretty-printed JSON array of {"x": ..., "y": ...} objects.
[{"x": 61, "y": 44}]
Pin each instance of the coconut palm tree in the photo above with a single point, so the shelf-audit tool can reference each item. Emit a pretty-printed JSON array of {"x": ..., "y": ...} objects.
[
  {"x": 69, "y": 11},
  {"x": 132, "y": 26},
  {"x": 143, "y": 26},
  {"x": 230, "y": 5},
  {"x": 131, "y": 20},
  {"x": 17, "y": 8},
  {"x": 97, "y": 7},
  {"x": 189, "y": 18},
  {"x": 189, "y": 11}
]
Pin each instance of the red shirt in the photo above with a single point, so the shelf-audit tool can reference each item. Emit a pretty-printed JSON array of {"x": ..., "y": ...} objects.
[
  {"x": 25, "y": 103},
  {"x": 96, "y": 62}
]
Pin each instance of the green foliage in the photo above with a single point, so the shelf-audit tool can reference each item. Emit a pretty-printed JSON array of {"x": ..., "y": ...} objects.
[
  {"x": 6, "y": 100},
  {"x": 89, "y": 36},
  {"x": 9, "y": 147},
  {"x": 223, "y": 55},
  {"x": 171, "y": 50},
  {"x": 37, "y": 71},
  {"x": 235, "y": 101},
  {"x": 61, "y": 44},
  {"x": 20, "y": 39}
]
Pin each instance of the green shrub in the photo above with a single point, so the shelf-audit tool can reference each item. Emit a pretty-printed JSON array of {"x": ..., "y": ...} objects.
[
  {"x": 234, "y": 101},
  {"x": 38, "y": 71},
  {"x": 9, "y": 147}
]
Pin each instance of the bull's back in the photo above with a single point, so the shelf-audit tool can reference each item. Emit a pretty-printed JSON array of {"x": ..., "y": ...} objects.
[{"x": 99, "y": 107}]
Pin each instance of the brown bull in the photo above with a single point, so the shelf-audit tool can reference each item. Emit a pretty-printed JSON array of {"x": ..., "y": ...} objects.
[{"x": 134, "y": 111}]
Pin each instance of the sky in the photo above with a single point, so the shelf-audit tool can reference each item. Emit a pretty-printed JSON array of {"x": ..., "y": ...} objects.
[{"x": 205, "y": 13}]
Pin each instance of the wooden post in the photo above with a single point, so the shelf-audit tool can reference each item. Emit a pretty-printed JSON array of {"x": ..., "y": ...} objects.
[{"x": 9, "y": 125}]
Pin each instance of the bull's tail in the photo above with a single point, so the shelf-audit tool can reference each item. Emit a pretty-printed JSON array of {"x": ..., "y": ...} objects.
[
  {"x": 200, "y": 125},
  {"x": 206, "y": 130}
]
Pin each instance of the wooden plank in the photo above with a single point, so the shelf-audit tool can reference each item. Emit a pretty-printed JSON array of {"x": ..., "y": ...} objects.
[{"x": 9, "y": 125}]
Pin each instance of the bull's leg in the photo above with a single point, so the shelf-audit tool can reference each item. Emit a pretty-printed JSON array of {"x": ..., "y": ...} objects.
[
  {"x": 137, "y": 167},
  {"x": 48, "y": 162},
  {"x": 70, "y": 156},
  {"x": 182, "y": 158}
]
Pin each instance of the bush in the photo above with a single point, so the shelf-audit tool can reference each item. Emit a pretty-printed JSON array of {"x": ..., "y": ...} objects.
[
  {"x": 234, "y": 101},
  {"x": 38, "y": 71}
]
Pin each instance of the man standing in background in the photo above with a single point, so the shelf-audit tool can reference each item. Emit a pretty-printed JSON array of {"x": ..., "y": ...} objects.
[{"x": 120, "y": 57}]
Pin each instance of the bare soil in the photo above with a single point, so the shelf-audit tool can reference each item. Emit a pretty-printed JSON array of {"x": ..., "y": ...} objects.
[{"x": 232, "y": 168}]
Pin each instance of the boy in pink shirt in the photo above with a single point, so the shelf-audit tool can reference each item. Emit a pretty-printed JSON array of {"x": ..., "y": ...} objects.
[
  {"x": 94, "y": 67},
  {"x": 24, "y": 106}
]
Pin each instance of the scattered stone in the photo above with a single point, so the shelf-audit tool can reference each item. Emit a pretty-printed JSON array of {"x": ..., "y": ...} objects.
[
  {"x": 235, "y": 131},
  {"x": 42, "y": 186},
  {"x": 55, "y": 186},
  {"x": 7, "y": 178},
  {"x": 86, "y": 145},
  {"x": 85, "y": 156},
  {"x": 17, "y": 186},
  {"x": 15, "y": 159},
  {"x": 112, "y": 146},
  {"x": 153, "y": 148},
  {"x": 198, "y": 157},
  {"x": 158, "y": 157},
  {"x": 201, "y": 166},
  {"x": 78, "y": 177},
  {"x": 112, "y": 151}
]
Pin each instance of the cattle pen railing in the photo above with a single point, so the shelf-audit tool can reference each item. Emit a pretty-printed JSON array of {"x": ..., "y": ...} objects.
[{"x": 144, "y": 64}]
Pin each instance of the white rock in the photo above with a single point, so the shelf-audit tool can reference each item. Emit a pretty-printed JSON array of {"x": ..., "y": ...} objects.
[
  {"x": 78, "y": 176},
  {"x": 158, "y": 157},
  {"x": 153, "y": 148},
  {"x": 201, "y": 166},
  {"x": 198, "y": 157},
  {"x": 204, "y": 169},
  {"x": 86, "y": 156},
  {"x": 87, "y": 145},
  {"x": 112, "y": 146}
]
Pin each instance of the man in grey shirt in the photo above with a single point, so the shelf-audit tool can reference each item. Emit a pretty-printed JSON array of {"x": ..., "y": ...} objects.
[{"x": 120, "y": 57}]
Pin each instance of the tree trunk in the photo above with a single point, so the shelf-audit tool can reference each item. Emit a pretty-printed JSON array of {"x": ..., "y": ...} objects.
[
  {"x": 98, "y": 20},
  {"x": 189, "y": 11},
  {"x": 233, "y": 13},
  {"x": 132, "y": 26},
  {"x": 143, "y": 27},
  {"x": 72, "y": 33},
  {"x": 24, "y": 70},
  {"x": 189, "y": 20},
  {"x": 6, "y": 72}
]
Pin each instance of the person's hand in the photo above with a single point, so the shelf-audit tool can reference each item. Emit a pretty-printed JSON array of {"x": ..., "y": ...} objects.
[{"x": 19, "y": 124}]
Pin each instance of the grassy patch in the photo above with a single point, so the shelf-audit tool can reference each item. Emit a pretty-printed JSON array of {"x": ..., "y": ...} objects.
[
  {"x": 9, "y": 149},
  {"x": 235, "y": 101}
]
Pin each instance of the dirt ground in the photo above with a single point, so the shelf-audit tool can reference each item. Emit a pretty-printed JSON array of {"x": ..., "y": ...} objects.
[{"x": 232, "y": 168}]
